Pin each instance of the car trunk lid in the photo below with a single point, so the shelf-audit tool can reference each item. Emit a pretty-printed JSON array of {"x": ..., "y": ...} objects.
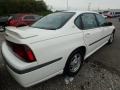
[{"x": 29, "y": 34}]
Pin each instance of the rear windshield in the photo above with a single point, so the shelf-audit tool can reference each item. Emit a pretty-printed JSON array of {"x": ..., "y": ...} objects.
[{"x": 53, "y": 21}]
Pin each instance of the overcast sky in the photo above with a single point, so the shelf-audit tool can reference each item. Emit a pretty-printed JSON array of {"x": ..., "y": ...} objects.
[{"x": 83, "y": 4}]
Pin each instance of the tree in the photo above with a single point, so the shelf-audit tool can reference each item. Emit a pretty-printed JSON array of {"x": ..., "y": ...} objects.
[{"x": 23, "y": 6}]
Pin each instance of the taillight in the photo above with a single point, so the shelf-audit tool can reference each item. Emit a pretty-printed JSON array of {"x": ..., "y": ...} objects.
[{"x": 22, "y": 51}]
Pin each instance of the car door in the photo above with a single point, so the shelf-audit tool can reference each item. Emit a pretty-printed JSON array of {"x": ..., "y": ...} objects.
[
  {"x": 92, "y": 33},
  {"x": 106, "y": 30}
]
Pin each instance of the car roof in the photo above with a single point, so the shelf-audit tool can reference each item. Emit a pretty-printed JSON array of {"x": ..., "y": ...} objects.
[{"x": 80, "y": 11}]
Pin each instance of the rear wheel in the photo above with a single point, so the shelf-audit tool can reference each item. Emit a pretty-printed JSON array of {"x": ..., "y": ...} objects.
[{"x": 73, "y": 64}]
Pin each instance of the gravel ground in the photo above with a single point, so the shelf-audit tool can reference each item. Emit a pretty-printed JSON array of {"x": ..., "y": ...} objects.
[
  {"x": 90, "y": 77},
  {"x": 101, "y": 71}
]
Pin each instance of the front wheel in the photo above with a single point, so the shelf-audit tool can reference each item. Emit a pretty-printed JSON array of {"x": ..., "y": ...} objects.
[{"x": 73, "y": 64}]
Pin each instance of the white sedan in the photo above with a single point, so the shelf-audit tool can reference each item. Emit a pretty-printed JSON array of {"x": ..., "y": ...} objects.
[{"x": 58, "y": 43}]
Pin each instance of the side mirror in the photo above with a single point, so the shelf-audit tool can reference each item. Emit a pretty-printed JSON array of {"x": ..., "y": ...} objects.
[{"x": 108, "y": 24}]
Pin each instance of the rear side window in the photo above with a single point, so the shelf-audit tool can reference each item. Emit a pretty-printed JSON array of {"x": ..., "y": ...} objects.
[
  {"x": 53, "y": 21},
  {"x": 78, "y": 22},
  {"x": 89, "y": 21},
  {"x": 101, "y": 19}
]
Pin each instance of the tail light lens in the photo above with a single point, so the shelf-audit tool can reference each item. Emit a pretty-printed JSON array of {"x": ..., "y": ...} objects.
[{"x": 22, "y": 51}]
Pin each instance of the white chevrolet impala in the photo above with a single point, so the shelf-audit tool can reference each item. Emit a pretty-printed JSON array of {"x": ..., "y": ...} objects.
[{"x": 58, "y": 43}]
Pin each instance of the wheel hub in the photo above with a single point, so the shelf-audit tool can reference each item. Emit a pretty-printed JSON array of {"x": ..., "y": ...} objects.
[{"x": 75, "y": 63}]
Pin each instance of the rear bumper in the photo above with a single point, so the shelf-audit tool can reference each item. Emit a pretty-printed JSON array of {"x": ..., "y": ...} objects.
[
  {"x": 29, "y": 69},
  {"x": 32, "y": 75},
  {"x": 32, "y": 78}
]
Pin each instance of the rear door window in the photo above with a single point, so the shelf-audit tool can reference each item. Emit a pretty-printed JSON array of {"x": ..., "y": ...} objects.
[{"x": 89, "y": 21}]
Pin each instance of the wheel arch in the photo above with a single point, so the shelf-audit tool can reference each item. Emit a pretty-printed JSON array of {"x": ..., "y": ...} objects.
[
  {"x": 81, "y": 49},
  {"x": 114, "y": 31}
]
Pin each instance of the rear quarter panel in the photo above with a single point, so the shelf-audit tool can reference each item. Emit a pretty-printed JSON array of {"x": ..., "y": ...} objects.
[{"x": 52, "y": 49}]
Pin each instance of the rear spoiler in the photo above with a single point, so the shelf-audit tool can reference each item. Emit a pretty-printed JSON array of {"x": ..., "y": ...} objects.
[{"x": 13, "y": 31}]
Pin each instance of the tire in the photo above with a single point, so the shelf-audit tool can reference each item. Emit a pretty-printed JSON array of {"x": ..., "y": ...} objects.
[
  {"x": 73, "y": 64},
  {"x": 111, "y": 38}
]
